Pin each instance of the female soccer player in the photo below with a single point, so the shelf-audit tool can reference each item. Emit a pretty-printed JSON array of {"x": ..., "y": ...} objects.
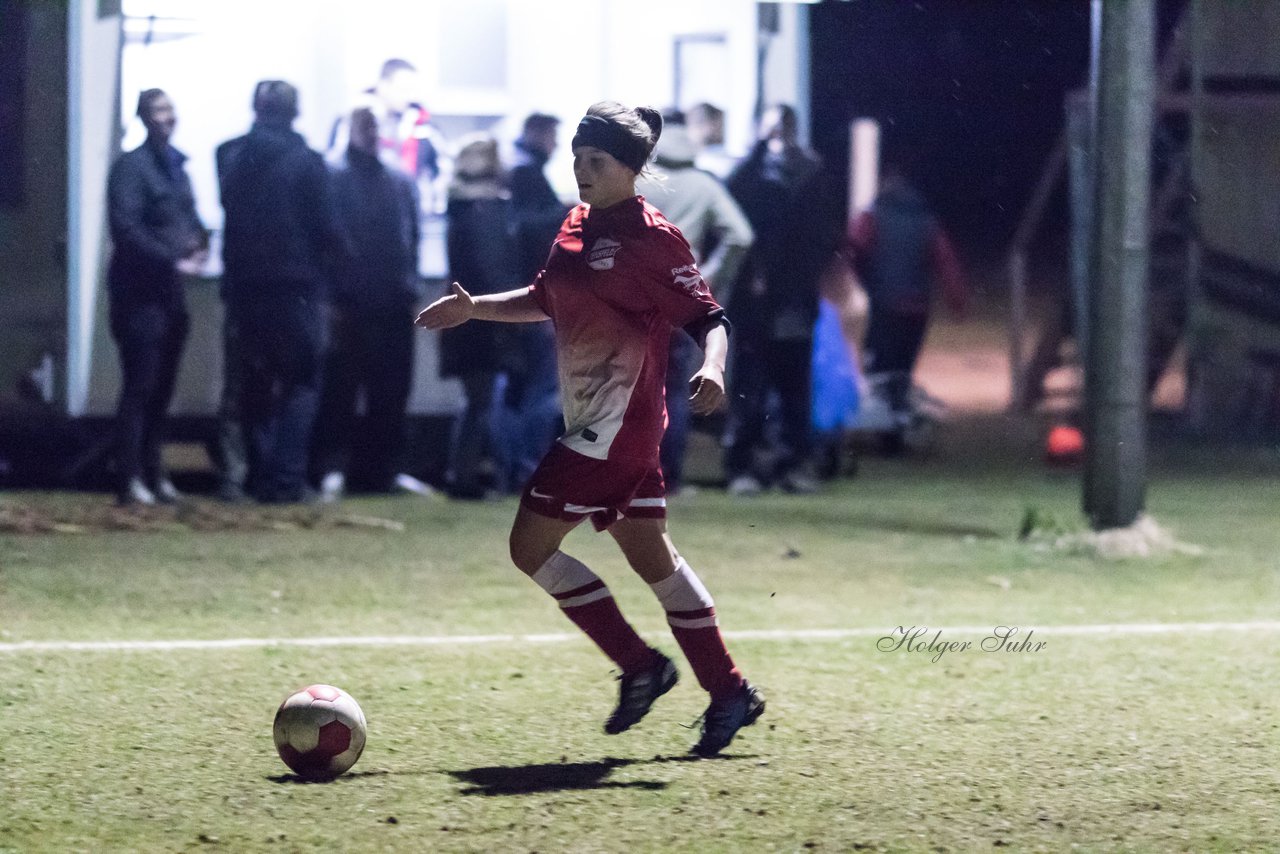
[{"x": 618, "y": 279}]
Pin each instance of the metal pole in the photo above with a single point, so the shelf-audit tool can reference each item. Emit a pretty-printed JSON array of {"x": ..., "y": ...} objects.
[
  {"x": 1115, "y": 388},
  {"x": 1017, "y": 323},
  {"x": 1082, "y": 142}
]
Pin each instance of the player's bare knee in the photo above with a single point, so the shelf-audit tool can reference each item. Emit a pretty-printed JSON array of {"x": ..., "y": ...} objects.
[
  {"x": 527, "y": 553},
  {"x": 520, "y": 554}
]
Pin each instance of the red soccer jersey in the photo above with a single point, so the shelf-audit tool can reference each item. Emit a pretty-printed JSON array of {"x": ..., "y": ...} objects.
[{"x": 616, "y": 282}]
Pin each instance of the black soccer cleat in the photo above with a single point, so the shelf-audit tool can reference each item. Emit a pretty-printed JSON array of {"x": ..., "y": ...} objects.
[
  {"x": 723, "y": 719},
  {"x": 638, "y": 691}
]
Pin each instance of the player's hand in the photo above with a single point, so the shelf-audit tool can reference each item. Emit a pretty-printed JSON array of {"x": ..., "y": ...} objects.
[
  {"x": 707, "y": 391},
  {"x": 456, "y": 308}
]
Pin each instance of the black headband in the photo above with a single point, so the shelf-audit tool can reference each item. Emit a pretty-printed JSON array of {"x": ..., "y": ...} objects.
[{"x": 612, "y": 139}]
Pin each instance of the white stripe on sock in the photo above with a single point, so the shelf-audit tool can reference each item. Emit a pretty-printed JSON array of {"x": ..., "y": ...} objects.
[
  {"x": 698, "y": 623},
  {"x": 562, "y": 573},
  {"x": 585, "y": 598},
  {"x": 682, "y": 590}
]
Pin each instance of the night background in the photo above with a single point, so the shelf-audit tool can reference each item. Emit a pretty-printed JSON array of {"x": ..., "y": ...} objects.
[{"x": 971, "y": 92}]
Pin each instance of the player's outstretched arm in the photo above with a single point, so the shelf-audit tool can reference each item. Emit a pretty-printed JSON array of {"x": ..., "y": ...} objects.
[
  {"x": 458, "y": 307},
  {"x": 707, "y": 385},
  {"x": 452, "y": 310}
]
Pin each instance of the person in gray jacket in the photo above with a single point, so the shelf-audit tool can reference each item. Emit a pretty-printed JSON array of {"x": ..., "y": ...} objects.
[{"x": 719, "y": 235}]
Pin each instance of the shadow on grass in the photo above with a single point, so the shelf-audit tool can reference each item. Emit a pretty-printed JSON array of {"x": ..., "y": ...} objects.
[
  {"x": 560, "y": 776},
  {"x": 302, "y": 781}
]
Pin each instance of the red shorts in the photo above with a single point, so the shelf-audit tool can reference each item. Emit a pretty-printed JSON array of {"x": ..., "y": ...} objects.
[{"x": 570, "y": 486}]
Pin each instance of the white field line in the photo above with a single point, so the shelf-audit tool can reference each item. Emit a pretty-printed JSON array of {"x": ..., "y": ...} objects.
[{"x": 763, "y": 634}]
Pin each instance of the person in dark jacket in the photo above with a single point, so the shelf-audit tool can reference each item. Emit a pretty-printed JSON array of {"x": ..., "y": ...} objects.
[
  {"x": 371, "y": 313},
  {"x": 530, "y": 405},
  {"x": 901, "y": 252},
  {"x": 279, "y": 242},
  {"x": 782, "y": 188},
  {"x": 156, "y": 239},
  {"x": 537, "y": 210},
  {"x": 479, "y": 251}
]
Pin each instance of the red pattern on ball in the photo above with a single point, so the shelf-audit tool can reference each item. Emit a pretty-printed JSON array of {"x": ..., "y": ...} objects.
[
  {"x": 312, "y": 765},
  {"x": 335, "y": 737},
  {"x": 323, "y": 692}
]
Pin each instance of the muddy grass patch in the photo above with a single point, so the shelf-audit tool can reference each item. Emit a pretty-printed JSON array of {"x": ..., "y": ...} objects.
[{"x": 190, "y": 515}]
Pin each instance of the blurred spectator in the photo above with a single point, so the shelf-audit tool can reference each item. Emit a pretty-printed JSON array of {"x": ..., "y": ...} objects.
[
  {"x": 706, "y": 131},
  {"x": 900, "y": 252},
  {"x": 789, "y": 202},
  {"x": 231, "y": 446},
  {"x": 536, "y": 209},
  {"x": 371, "y": 316},
  {"x": 480, "y": 258},
  {"x": 528, "y": 416},
  {"x": 156, "y": 239},
  {"x": 719, "y": 236},
  {"x": 836, "y": 373},
  {"x": 406, "y": 138},
  {"x": 279, "y": 243}
]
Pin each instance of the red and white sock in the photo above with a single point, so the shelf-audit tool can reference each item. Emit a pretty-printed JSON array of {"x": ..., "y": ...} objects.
[
  {"x": 585, "y": 599},
  {"x": 692, "y": 616}
]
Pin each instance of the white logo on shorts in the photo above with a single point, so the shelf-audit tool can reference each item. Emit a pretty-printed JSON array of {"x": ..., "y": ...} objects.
[{"x": 535, "y": 493}]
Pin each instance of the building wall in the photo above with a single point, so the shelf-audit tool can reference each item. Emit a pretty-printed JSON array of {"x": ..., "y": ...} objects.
[
  {"x": 33, "y": 248},
  {"x": 1233, "y": 329},
  {"x": 93, "y": 142},
  {"x": 1240, "y": 38},
  {"x": 1238, "y": 180},
  {"x": 1237, "y": 174}
]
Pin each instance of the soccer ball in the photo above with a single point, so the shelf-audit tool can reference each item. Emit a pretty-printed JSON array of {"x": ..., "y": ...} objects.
[{"x": 319, "y": 732}]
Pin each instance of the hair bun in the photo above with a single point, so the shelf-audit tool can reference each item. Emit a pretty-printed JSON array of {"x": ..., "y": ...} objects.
[{"x": 653, "y": 119}]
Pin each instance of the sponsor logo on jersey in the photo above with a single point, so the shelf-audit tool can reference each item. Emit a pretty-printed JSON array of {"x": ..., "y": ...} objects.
[
  {"x": 600, "y": 256},
  {"x": 687, "y": 277}
]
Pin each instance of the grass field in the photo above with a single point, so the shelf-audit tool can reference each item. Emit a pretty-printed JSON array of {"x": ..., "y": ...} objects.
[{"x": 1126, "y": 739}]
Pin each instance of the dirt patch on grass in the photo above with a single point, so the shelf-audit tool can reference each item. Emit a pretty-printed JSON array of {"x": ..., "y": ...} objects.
[
  {"x": 1145, "y": 538},
  {"x": 191, "y": 515}
]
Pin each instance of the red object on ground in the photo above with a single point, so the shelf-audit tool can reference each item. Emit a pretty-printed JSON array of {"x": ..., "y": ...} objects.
[{"x": 1064, "y": 444}]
